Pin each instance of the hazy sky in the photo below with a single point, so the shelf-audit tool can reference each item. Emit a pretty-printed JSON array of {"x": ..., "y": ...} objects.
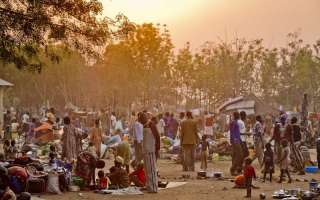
[{"x": 198, "y": 21}]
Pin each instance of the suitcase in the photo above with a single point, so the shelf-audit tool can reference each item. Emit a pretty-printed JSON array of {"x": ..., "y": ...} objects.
[{"x": 36, "y": 186}]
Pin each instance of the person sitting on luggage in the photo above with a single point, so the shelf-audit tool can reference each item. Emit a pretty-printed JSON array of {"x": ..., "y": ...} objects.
[
  {"x": 118, "y": 175},
  {"x": 103, "y": 181},
  {"x": 137, "y": 177},
  {"x": 7, "y": 194}
]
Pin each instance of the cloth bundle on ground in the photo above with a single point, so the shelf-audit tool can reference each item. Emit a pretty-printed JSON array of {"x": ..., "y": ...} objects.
[
  {"x": 222, "y": 147},
  {"x": 124, "y": 191}
]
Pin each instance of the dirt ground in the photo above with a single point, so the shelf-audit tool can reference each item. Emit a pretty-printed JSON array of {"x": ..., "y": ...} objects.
[{"x": 197, "y": 189}]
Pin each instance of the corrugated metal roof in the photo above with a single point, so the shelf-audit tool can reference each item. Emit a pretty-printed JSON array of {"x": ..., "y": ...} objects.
[
  {"x": 5, "y": 83},
  {"x": 230, "y": 101},
  {"x": 241, "y": 105}
]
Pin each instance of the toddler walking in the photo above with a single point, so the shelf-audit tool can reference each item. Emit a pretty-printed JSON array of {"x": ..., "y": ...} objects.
[{"x": 249, "y": 173}]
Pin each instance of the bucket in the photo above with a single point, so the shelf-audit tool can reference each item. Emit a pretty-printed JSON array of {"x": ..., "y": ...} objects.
[{"x": 313, "y": 185}]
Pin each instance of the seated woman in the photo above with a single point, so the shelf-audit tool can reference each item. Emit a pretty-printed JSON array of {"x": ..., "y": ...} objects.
[
  {"x": 137, "y": 177},
  {"x": 118, "y": 175}
]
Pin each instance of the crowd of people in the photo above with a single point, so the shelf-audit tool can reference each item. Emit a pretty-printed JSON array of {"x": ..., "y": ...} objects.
[
  {"x": 135, "y": 144},
  {"x": 282, "y": 147}
]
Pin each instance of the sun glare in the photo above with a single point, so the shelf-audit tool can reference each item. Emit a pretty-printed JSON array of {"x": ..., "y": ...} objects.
[{"x": 154, "y": 10}]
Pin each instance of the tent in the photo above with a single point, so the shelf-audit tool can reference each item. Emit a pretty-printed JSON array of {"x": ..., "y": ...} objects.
[{"x": 251, "y": 104}]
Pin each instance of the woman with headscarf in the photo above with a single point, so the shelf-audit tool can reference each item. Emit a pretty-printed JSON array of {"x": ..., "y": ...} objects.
[
  {"x": 96, "y": 137},
  {"x": 151, "y": 146}
]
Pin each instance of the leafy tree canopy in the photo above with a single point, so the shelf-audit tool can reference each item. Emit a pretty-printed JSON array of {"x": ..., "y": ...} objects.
[{"x": 29, "y": 26}]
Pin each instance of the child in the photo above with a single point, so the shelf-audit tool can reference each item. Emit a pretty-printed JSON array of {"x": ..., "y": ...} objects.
[
  {"x": 103, "y": 182},
  {"x": 284, "y": 160},
  {"x": 249, "y": 173},
  {"x": 53, "y": 151},
  {"x": 137, "y": 177},
  {"x": 268, "y": 162},
  {"x": 204, "y": 152},
  {"x": 6, "y": 148}
]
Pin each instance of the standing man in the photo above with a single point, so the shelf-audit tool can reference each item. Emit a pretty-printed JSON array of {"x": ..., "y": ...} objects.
[
  {"x": 258, "y": 134},
  {"x": 173, "y": 126},
  {"x": 132, "y": 120},
  {"x": 235, "y": 141},
  {"x": 189, "y": 139},
  {"x": 151, "y": 147},
  {"x": 243, "y": 134},
  {"x": 137, "y": 139},
  {"x": 113, "y": 121},
  {"x": 278, "y": 135}
]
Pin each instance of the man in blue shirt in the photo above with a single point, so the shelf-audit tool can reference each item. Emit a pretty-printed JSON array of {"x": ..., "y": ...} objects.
[{"x": 235, "y": 141}]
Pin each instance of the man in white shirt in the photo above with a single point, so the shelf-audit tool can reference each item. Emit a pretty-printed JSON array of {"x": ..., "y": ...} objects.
[
  {"x": 243, "y": 133},
  {"x": 138, "y": 138}
]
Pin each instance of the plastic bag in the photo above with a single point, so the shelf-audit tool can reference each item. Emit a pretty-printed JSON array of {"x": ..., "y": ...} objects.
[{"x": 53, "y": 183}]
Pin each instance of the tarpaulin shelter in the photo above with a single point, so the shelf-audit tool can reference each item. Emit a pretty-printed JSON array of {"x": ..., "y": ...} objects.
[{"x": 251, "y": 104}]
